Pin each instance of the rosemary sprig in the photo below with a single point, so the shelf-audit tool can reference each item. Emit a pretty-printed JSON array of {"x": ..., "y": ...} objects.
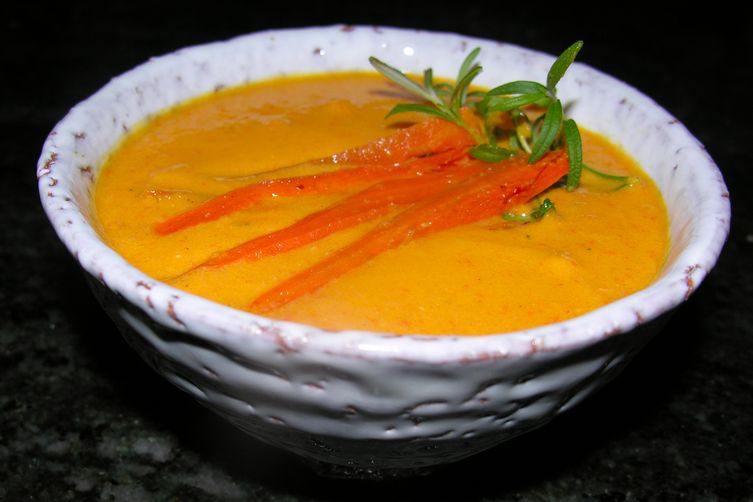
[
  {"x": 551, "y": 130},
  {"x": 535, "y": 215},
  {"x": 445, "y": 99}
]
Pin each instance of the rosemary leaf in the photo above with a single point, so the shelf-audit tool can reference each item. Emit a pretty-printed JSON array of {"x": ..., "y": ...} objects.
[
  {"x": 428, "y": 78},
  {"x": 429, "y": 87},
  {"x": 607, "y": 176},
  {"x": 402, "y": 80},
  {"x": 461, "y": 88},
  {"x": 518, "y": 87},
  {"x": 538, "y": 213},
  {"x": 574, "y": 153},
  {"x": 545, "y": 206},
  {"x": 550, "y": 127},
  {"x": 419, "y": 108},
  {"x": 468, "y": 63},
  {"x": 490, "y": 153},
  {"x": 560, "y": 66},
  {"x": 622, "y": 181},
  {"x": 507, "y": 103}
]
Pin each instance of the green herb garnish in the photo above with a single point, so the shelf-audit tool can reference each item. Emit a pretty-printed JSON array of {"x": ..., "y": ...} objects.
[
  {"x": 622, "y": 181},
  {"x": 535, "y": 215},
  {"x": 445, "y": 100},
  {"x": 551, "y": 130}
]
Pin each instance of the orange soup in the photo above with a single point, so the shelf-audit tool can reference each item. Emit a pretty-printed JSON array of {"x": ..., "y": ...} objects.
[{"x": 600, "y": 243}]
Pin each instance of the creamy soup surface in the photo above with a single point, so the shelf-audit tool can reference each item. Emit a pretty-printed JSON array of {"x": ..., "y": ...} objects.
[{"x": 598, "y": 245}]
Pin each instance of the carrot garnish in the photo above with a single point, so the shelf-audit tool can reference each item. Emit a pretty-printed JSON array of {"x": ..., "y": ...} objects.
[
  {"x": 431, "y": 136},
  {"x": 499, "y": 187},
  {"x": 404, "y": 153},
  {"x": 371, "y": 203},
  {"x": 329, "y": 182}
]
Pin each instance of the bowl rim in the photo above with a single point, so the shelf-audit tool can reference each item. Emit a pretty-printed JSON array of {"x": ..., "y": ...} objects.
[{"x": 222, "y": 325}]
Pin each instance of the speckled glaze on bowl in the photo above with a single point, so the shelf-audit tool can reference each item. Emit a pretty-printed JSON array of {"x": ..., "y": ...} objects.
[{"x": 375, "y": 403}]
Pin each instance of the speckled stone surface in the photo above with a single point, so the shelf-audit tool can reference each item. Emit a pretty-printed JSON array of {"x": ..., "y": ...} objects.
[{"x": 83, "y": 418}]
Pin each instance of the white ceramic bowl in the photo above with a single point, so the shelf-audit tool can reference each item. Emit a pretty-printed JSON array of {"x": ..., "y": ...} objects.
[{"x": 376, "y": 402}]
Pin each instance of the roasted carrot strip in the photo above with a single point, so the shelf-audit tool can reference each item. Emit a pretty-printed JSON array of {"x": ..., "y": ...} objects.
[
  {"x": 494, "y": 191},
  {"x": 431, "y": 136},
  {"x": 329, "y": 182},
  {"x": 366, "y": 205}
]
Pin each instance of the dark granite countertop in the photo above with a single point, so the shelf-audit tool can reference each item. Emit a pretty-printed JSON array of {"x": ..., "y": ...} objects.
[{"x": 82, "y": 418}]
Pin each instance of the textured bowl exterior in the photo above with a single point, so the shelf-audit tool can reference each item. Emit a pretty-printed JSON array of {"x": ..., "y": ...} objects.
[{"x": 378, "y": 401}]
